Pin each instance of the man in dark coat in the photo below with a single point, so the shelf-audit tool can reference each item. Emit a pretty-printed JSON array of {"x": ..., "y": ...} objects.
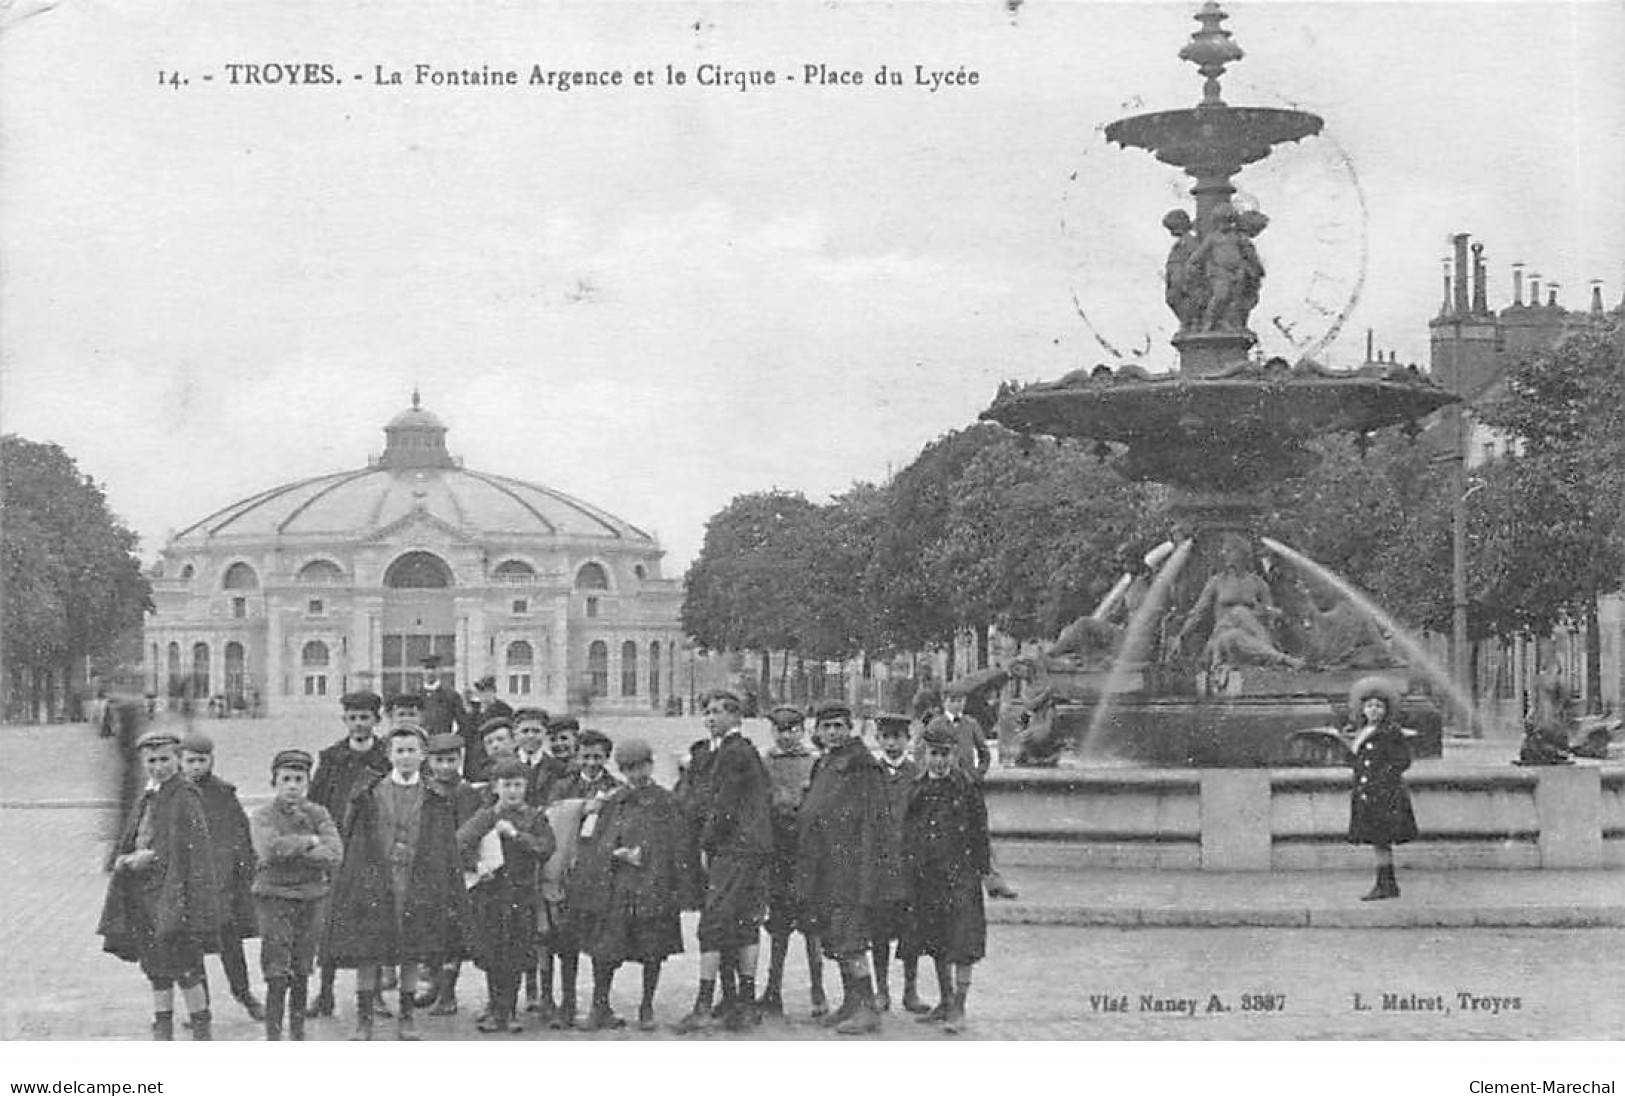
[
  {"x": 233, "y": 849},
  {"x": 444, "y": 711},
  {"x": 727, "y": 793},
  {"x": 339, "y": 768},
  {"x": 162, "y": 904},
  {"x": 398, "y": 897},
  {"x": 845, "y": 860}
]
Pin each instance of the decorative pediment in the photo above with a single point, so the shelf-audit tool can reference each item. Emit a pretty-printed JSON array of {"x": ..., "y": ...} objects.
[{"x": 419, "y": 529}]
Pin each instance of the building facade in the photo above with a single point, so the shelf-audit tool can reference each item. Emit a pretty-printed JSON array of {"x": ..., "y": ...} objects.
[{"x": 297, "y": 594}]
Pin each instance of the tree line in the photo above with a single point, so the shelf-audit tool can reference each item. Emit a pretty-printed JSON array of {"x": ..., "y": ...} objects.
[{"x": 990, "y": 529}]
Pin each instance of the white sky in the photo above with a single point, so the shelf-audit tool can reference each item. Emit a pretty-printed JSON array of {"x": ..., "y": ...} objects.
[{"x": 658, "y": 298}]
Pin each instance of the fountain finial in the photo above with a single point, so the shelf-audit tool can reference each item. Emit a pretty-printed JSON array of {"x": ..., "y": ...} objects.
[{"x": 1210, "y": 50}]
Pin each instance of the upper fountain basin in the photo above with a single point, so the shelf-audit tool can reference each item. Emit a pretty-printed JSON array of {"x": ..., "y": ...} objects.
[{"x": 1213, "y": 134}]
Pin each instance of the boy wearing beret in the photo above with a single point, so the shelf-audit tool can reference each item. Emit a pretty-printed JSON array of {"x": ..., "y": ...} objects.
[
  {"x": 727, "y": 799},
  {"x": 339, "y": 767},
  {"x": 789, "y": 767},
  {"x": 398, "y": 897},
  {"x": 162, "y": 904},
  {"x": 630, "y": 884},
  {"x": 894, "y": 921},
  {"x": 297, "y": 845},
  {"x": 844, "y": 861},
  {"x": 505, "y": 894},
  {"x": 233, "y": 851},
  {"x": 945, "y": 852}
]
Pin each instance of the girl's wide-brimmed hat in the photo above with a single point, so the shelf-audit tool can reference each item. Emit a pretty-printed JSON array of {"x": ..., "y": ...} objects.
[{"x": 1383, "y": 688}]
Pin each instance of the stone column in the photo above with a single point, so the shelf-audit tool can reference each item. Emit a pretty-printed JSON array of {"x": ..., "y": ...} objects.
[
  {"x": 558, "y": 672},
  {"x": 275, "y": 685}
]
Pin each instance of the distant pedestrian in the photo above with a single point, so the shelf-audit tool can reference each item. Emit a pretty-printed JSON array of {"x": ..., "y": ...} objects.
[
  {"x": 1380, "y": 813},
  {"x": 162, "y": 906},
  {"x": 233, "y": 850},
  {"x": 297, "y": 847}
]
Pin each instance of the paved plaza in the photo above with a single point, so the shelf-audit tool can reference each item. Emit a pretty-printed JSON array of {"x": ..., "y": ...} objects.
[{"x": 1081, "y": 955}]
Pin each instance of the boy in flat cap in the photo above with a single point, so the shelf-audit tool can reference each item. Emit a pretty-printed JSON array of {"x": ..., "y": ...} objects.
[
  {"x": 972, "y": 754},
  {"x": 844, "y": 861},
  {"x": 398, "y": 897},
  {"x": 789, "y": 767},
  {"x": 894, "y": 921},
  {"x": 505, "y": 895},
  {"x": 339, "y": 767},
  {"x": 728, "y": 799},
  {"x": 945, "y": 852},
  {"x": 162, "y": 904},
  {"x": 630, "y": 883},
  {"x": 297, "y": 845},
  {"x": 233, "y": 851},
  {"x": 446, "y": 772}
]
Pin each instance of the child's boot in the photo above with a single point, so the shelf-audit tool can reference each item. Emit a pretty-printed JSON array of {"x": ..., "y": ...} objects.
[
  {"x": 532, "y": 997},
  {"x": 363, "y": 1017},
  {"x": 406, "y": 1028},
  {"x": 954, "y": 1022},
  {"x": 276, "y": 1002},
  {"x": 202, "y": 1026},
  {"x": 163, "y": 1027},
  {"x": 1379, "y": 889},
  {"x": 324, "y": 1004},
  {"x": 911, "y": 989},
  {"x": 297, "y": 988},
  {"x": 865, "y": 1018},
  {"x": 1390, "y": 883},
  {"x": 848, "y": 1005},
  {"x": 882, "y": 989},
  {"x": 445, "y": 1003}
]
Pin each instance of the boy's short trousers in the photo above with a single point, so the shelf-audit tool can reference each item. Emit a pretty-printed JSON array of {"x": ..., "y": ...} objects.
[
  {"x": 735, "y": 901},
  {"x": 173, "y": 961},
  {"x": 288, "y": 931},
  {"x": 843, "y": 930}
]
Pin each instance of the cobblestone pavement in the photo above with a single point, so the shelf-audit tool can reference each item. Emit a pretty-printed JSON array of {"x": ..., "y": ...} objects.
[{"x": 1038, "y": 982}]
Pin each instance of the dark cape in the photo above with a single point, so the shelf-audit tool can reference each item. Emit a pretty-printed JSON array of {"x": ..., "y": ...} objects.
[
  {"x": 845, "y": 847},
  {"x": 234, "y": 859},
  {"x": 178, "y": 894}
]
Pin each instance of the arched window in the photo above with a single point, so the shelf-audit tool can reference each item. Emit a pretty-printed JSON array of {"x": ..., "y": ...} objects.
[
  {"x": 234, "y": 674},
  {"x": 418, "y": 571},
  {"x": 641, "y": 571},
  {"x": 629, "y": 669},
  {"x": 598, "y": 667},
  {"x": 200, "y": 670},
  {"x": 592, "y": 576},
  {"x": 240, "y": 576},
  {"x": 313, "y": 658},
  {"x": 513, "y": 570},
  {"x": 654, "y": 674},
  {"x": 520, "y": 657},
  {"x": 321, "y": 570},
  {"x": 177, "y": 684}
]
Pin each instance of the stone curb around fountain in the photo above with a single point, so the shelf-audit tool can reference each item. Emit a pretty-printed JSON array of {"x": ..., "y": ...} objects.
[{"x": 1393, "y": 916}]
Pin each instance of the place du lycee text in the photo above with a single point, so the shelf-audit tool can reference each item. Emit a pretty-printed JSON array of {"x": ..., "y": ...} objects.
[{"x": 930, "y": 78}]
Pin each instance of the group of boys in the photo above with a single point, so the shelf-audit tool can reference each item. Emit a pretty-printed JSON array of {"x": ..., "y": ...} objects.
[{"x": 381, "y": 855}]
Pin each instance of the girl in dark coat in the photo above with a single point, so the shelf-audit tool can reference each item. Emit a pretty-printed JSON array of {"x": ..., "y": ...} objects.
[
  {"x": 945, "y": 852},
  {"x": 504, "y": 900},
  {"x": 631, "y": 881},
  {"x": 234, "y": 864},
  {"x": 1380, "y": 813},
  {"x": 162, "y": 904},
  {"x": 398, "y": 897}
]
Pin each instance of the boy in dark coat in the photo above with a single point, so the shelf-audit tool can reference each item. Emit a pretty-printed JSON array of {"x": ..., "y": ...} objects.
[
  {"x": 945, "y": 852},
  {"x": 504, "y": 899},
  {"x": 339, "y": 768},
  {"x": 893, "y": 921},
  {"x": 233, "y": 850},
  {"x": 630, "y": 883},
  {"x": 162, "y": 905},
  {"x": 727, "y": 799},
  {"x": 529, "y": 745},
  {"x": 297, "y": 846},
  {"x": 446, "y": 771},
  {"x": 845, "y": 862},
  {"x": 789, "y": 766},
  {"x": 398, "y": 897},
  {"x": 1380, "y": 813}
]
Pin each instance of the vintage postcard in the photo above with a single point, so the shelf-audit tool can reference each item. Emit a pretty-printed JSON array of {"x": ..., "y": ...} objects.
[{"x": 455, "y": 366}]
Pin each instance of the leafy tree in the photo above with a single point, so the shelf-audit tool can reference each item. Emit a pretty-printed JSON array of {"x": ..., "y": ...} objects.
[{"x": 73, "y": 585}]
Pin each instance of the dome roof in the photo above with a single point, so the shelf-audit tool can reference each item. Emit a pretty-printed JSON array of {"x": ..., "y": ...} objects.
[{"x": 415, "y": 474}]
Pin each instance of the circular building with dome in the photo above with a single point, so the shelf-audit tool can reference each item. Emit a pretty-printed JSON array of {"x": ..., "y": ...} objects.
[{"x": 304, "y": 591}]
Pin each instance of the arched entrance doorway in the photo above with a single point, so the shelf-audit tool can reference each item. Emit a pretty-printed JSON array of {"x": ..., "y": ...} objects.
[{"x": 419, "y": 619}]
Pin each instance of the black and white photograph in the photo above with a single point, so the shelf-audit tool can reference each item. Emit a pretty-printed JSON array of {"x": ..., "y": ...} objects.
[{"x": 573, "y": 526}]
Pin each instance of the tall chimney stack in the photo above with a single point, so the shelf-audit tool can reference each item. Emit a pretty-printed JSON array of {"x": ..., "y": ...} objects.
[
  {"x": 1444, "y": 307},
  {"x": 1480, "y": 297},
  {"x": 1369, "y": 335},
  {"x": 1534, "y": 290},
  {"x": 1460, "y": 240},
  {"x": 1551, "y": 294},
  {"x": 1517, "y": 284},
  {"x": 1596, "y": 296}
]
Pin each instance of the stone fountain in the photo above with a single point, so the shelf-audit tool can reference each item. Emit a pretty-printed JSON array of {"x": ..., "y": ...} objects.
[{"x": 1231, "y": 655}]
